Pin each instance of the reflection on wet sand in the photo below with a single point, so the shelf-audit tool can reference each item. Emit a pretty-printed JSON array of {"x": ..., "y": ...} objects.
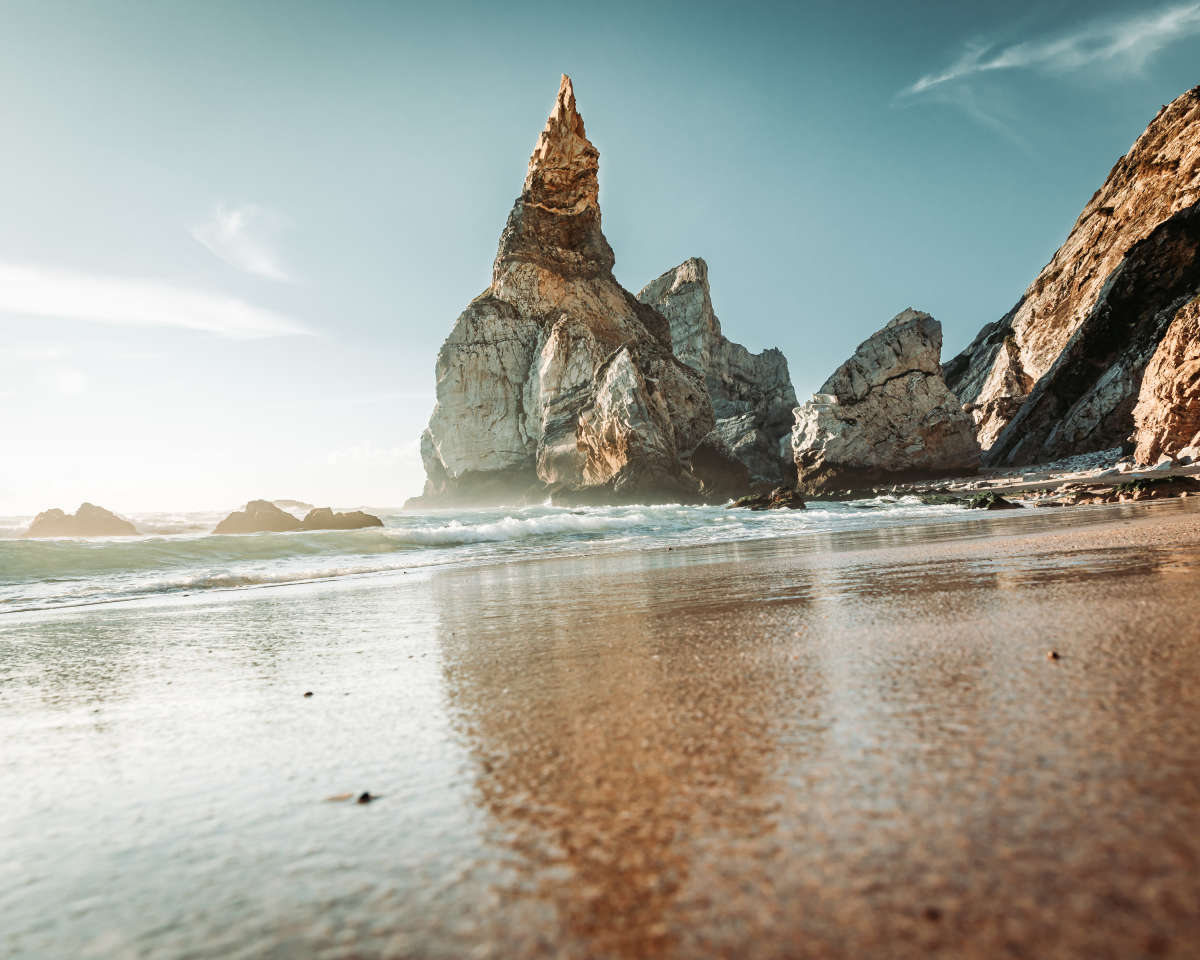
[
  {"x": 758, "y": 752},
  {"x": 614, "y": 745}
]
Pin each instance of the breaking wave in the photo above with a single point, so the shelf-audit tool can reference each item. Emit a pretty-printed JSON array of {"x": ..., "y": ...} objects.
[{"x": 176, "y": 553}]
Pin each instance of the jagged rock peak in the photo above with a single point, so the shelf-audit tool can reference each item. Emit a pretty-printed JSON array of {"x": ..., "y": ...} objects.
[
  {"x": 563, "y": 168},
  {"x": 751, "y": 393}
]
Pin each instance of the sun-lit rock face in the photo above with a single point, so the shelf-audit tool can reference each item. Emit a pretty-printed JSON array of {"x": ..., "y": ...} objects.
[
  {"x": 556, "y": 378},
  {"x": 884, "y": 415},
  {"x": 1167, "y": 415},
  {"x": 751, "y": 393},
  {"x": 1158, "y": 178}
]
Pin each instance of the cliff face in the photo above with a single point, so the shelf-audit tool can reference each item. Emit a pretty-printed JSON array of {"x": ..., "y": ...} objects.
[
  {"x": 885, "y": 415},
  {"x": 555, "y": 377},
  {"x": 751, "y": 393},
  {"x": 1158, "y": 178},
  {"x": 1167, "y": 415},
  {"x": 1085, "y": 401}
]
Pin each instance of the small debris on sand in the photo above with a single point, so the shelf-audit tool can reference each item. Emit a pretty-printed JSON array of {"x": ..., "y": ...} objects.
[{"x": 1053, "y": 655}]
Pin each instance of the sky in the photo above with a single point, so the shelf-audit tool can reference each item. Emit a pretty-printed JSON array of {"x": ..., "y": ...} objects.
[{"x": 234, "y": 235}]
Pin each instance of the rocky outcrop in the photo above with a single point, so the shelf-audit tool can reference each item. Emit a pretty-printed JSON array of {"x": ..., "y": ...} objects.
[
  {"x": 88, "y": 521},
  {"x": 1167, "y": 414},
  {"x": 262, "y": 516},
  {"x": 781, "y": 498},
  {"x": 751, "y": 393},
  {"x": 1085, "y": 400},
  {"x": 885, "y": 415},
  {"x": 323, "y": 518},
  {"x": 998, "y": 373},
  {"x": 556, "y": 379}
]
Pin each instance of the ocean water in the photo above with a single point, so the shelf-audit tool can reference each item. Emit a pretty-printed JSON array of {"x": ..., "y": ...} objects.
[
  {"x": 826, "y": 734},
  {"x": 177, "y": 553}
]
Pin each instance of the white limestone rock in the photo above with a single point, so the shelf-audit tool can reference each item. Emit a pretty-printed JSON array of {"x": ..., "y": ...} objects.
[
  {"x": 751, "y": 393},
  {"x": 885, "y": 415},
  {"x": 556, "y": 379}
]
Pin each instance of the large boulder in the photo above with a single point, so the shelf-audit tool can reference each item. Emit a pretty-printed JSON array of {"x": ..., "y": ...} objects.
[
  {"x": 997, "y": 375},
  {"x": 885, "y": 415},
  {"x": 88, "y": 521},
  {"x": 1167, "y": 415},
  {"x": 263, "y": 516},
  {"x": 751, "y": 393},
  {"x": 556, "y": 379}
]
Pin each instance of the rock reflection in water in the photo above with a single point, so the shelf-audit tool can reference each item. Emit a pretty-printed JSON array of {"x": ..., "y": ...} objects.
[{"x": 616, "y": 751}]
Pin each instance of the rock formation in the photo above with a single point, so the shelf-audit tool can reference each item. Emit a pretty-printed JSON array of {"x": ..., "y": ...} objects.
[
  {"x": 1093, "y": 388},
  {"x": 1167, "y": 415},
  {"x": 555, "y": 378},
  {"x": 751, "y": 393},
  {"x": 88, "y": 521},
  {"x": 262, "y": 516},
  {"x": 1085, "y": 401},
  {"x": 885, "y": 415}
]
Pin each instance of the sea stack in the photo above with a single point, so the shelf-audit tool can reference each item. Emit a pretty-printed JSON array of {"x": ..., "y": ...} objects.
[
  {"x": 1060, "y": 373},
  {"x": 751, "y": 393},
  {"x": 885, "y": 415},
  {"x": 555, "y": 379},
  {"x": 88, "y": 521}
]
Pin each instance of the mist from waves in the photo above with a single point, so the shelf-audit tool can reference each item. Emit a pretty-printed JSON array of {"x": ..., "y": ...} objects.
[{"x": 177, "y": 553}]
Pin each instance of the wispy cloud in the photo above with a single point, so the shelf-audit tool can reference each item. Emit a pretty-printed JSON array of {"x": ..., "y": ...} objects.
[
  {"x": 1126, "y": 43},
  {"x": 36, "y": 291},
  {"x": 244, "y": 237}
]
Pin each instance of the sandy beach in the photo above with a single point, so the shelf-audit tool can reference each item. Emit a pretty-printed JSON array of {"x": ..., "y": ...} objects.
[{"x": 818, "y": 747}]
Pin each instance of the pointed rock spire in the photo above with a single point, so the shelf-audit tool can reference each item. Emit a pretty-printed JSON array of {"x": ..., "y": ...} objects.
[{"x": 563, "y": 168}]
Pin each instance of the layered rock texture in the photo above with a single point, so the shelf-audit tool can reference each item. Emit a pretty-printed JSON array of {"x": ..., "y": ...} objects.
[
  {"x": 1167, "y": 415},
  {"x": 751, "y": 393},
  {"x": 1059, "y": 374},
  {"x": 885, "y": 415},
  {"x": 555, "y": 378},
  {"x": 88, "y": 521}
]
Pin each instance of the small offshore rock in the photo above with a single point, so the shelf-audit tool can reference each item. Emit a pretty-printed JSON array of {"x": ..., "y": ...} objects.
[
  {"x": 88, "y": 521},
  {"x": 990, "y": 501},
  {"x": 780, "y": 498},
  {"x": 308, "y": 693}
]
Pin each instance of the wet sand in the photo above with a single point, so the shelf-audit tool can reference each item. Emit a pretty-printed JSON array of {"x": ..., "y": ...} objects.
[{"x": 792, "y": 748}]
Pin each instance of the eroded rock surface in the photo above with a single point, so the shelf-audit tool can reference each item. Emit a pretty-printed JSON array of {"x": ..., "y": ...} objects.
[
  {"x": 88, "y": 521},
  {"x": 1167, "y": 415},
  {"x": 1085, "y": 400},
  {"x": 751, "y": 393},
  {"x": 556, "y": 378},
  {"x": 885, "y": 415},
  {"x": 1157, "y": 179}
]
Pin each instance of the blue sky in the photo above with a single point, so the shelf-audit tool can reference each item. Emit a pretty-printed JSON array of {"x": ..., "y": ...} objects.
[{"x": 234, "y": 235}]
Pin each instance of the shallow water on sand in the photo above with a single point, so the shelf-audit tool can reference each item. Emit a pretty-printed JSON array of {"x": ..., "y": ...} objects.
[{"x": 832, "y": 746}]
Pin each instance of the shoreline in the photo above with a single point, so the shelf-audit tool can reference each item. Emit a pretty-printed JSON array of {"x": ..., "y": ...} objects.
[{"x": 834, "y": 746}]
